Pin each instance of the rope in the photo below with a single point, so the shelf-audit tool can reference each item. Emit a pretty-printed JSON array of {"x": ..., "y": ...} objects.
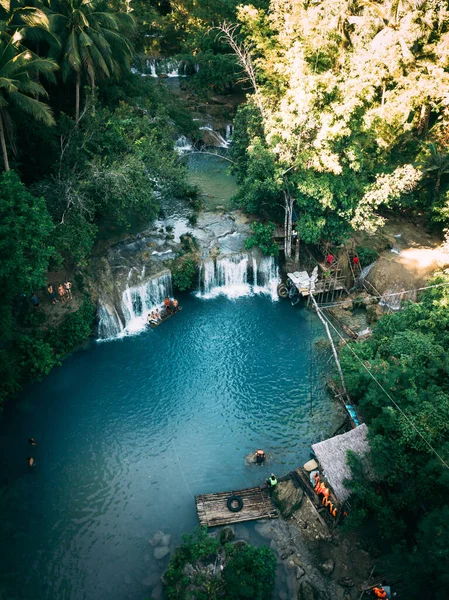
[
  {"x": 182, "y": 472},
  {"x": 428, "y": 287},
  {"x": 388, "y": 395}
]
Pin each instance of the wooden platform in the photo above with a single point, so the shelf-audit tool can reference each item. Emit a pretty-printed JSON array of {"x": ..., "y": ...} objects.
[{"x": 213, "y": 511}]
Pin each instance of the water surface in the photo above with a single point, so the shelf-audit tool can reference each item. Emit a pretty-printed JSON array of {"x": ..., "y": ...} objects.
[{"x": 129, "y": 431}]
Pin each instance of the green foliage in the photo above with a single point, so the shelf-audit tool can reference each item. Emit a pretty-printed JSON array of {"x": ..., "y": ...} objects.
[
  {"x": 193, "y": 548},
  {"x": 184, "y": 271},
  {"x": 25, "y": 228},
  {"x": 250, "y": 574},
  {"x": 263, "y": 238},
  {"x": 407, "y": 353},
  {"x": 366, "y": 255}
]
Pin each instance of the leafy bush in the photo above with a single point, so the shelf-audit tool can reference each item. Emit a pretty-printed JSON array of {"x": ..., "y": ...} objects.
[
  {"x": 183, "y": 271},
  {"x": 193, "y": 548},
  {"x": 263, "y": 238},
  {"x": 366, "y": 255},
  {"x": 250, "y": 574}
]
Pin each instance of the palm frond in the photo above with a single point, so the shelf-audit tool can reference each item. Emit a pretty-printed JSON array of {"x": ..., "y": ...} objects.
[{"x": 38, "y": 110}]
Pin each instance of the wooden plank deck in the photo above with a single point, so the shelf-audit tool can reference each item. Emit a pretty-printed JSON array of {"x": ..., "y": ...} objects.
[{"x": 212, "y": 509}]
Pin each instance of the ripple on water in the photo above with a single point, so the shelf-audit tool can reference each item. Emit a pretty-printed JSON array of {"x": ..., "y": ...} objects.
[{"x": 130, "y": 431}]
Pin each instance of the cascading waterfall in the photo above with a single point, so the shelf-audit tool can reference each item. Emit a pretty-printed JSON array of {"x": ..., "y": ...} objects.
[
  {"x": 229, "y": 276},
  {"x": 220, "y": 142},
  {"x": 136, "y": 303},
  {"x": 229, "y": 132},
  {"x": 110, "y": 325},
  {"x": 183, "y": 144}
]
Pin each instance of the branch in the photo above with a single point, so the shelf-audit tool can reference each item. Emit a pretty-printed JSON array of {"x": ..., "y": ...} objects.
[
  {"x": 212, "y": 154},
  {"x": 227, "y": 32}
]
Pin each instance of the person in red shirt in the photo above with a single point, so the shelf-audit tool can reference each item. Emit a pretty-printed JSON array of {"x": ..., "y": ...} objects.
[
  {"x": 355, "y": 261},
  {"x": 330, "y": 259}
]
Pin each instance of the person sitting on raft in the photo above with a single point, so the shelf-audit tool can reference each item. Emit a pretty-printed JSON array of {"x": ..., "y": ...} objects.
[
  {"x": 152, "y": 318},
  {"x": 259, "y": 457},
  {"x": 175, "y": 305},
  {"x": 158, "y": 315},
  {"x": 271, "y": 482}
]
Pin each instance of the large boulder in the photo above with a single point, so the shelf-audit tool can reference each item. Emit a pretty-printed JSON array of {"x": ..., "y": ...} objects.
[
  {"x": 288, "y": 497},
  {"x": 307, "y": 591}
]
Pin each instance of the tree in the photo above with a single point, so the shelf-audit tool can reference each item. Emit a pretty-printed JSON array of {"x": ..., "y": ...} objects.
[
  {"x": 25, "y": 227},
  {"x": 92, "y": 40},
  {"x": 437, "y": 165},
  {"x": 18, "y": 88}
]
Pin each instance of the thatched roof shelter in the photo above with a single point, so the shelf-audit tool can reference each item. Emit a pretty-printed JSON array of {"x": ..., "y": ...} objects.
[{"x": 331, "y": 454}]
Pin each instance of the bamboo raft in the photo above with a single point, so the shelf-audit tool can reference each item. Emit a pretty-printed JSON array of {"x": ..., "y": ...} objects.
[
  {"x": 165, "y": 315},
  {"x": 212, "y": 509}
]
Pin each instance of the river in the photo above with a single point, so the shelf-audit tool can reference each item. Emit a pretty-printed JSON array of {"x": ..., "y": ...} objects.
[{"x": 129, "y": 431}]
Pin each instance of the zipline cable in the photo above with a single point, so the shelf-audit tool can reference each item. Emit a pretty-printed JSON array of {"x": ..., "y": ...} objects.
[
  {"x": 428, "y": 287},
  {"x": 387, "y": 394}
]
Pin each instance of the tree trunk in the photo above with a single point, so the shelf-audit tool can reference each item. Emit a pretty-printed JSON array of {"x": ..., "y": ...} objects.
[
  {"x": 423, "y": 124},
  {"x": 3, "y": 142},
  {"x": 77, "y": 96},
  {"x": 288, "y": 207},
  {"x": 297, "y": 249},
  {"x": 383, "y": 100}
]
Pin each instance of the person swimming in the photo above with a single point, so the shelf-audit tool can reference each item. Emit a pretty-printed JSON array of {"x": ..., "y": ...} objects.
[
  {"x": 259, "y": 457},
  {"x": 32, "y": 441}
]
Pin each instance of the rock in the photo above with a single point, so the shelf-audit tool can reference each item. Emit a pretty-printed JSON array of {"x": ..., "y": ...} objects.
[
  {"x": 307, "y": 591},
  {"x": 161, "y": 552},
  {"x": 227, "y": 534},
  {"x": 157, "y": 538},
  {"x": 288, "y": 497},
  {"x": 291, "y": 564},
  {"x": 166, "y": 539},
  {"x": 283, "y": 595},
  {"x": 288, "y": 553},
  {"x": 346, "y": 582},
  {"x": 242, "y": 533},
  {"x": 327, "y": 567},
  {"x": 311, "y": 465},
  {"x": 239, "y": 544},
  {"x": 156, "y": 592},
  {"x": 299, "y": 572},
  {"x": 264, "y": 530},
  {"x": 297, "y": 560},
  {"x": 189, "y": 570}
]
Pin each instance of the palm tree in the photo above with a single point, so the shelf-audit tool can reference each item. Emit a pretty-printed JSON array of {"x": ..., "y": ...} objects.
[
  {"x": 18, "y": 88},
  {"x": 92, "y": 40}
]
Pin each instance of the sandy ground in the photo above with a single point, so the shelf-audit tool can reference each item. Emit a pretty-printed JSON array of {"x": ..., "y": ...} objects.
[{"x": 409, "y": 256}]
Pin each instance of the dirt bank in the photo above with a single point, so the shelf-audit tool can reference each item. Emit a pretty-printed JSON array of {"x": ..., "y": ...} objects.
[{"x": 408, "y": 255}]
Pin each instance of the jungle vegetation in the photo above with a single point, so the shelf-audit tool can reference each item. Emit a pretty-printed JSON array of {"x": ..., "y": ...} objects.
[{"x": 346, "y": 116}]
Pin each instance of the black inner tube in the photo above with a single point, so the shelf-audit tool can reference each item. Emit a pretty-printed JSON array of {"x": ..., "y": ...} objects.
[{"x": 234, "y": 503}]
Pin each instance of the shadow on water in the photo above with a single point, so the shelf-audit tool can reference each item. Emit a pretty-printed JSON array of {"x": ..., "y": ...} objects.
[{"x": 128, "y": 432}]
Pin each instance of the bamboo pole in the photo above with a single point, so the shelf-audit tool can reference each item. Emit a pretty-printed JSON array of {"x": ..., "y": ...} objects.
[{"x": 334, "y": 351}]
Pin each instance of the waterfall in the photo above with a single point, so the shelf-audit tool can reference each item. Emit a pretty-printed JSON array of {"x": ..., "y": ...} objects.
[
  {"x": 109, "y": 324},
  {"x": 228, "y": 276},
  {"x": 229, "y": 132},
  {"x": 136, "y": 303},
  {"x": 214, "y": 137},
  {"x": 183, "y": 144}
]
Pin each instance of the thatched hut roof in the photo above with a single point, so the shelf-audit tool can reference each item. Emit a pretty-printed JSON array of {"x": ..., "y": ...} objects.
[{"x": 331, "y": 454}]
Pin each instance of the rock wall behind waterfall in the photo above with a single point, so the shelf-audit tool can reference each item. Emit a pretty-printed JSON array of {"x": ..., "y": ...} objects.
[{"x": 134, "y": 275}]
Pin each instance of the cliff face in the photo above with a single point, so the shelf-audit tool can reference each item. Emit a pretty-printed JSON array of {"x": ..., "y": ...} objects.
[{"x": 135, "y": 274}]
